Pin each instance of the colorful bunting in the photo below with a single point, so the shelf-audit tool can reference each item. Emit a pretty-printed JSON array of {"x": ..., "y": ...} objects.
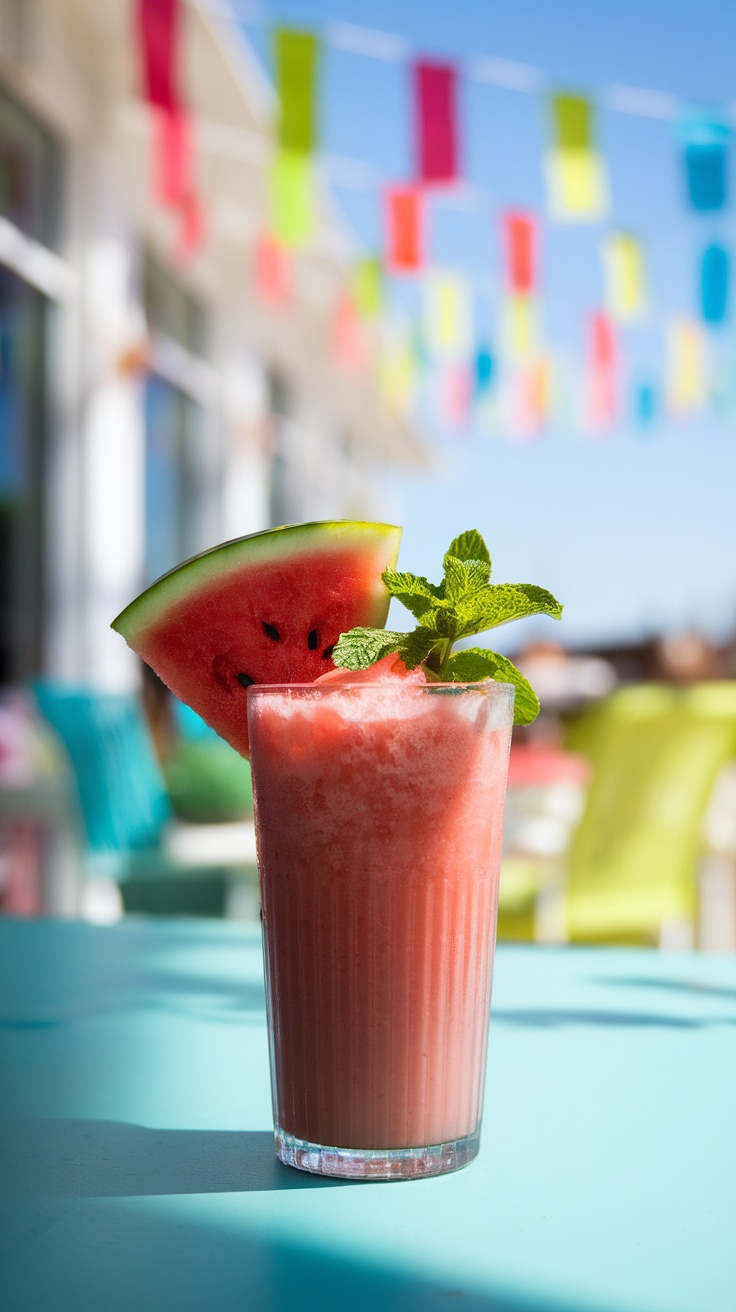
[
  {"x": 714, "y": 277},
  {"x": 485, "y": 371},
  {"x": 448, "y": 315},
  {"x": 368, "y": 288},
  {"x": 601, "y": 379},
  {"x": 520, "y": 240},
  {"x": 397, "y": 369},
  {"x": 349, "y": 344},
  {"x": 436, "y": 126},
  {"x": 296, "y": 70},
  {"x": 158, "y": 30},
  {"x": 272, "y": 271},
  {"x": 520, "y": 326},
  {"x": 455, "y": 395},
  {"x": 686, "y": 366},
  {"x": 173, "y": 156},
  {"x": 158, "y": 25},
  {"x": 404, "y": 235},
  {"x": 623, "y": 264},
  {"x": 577, "y": 182},
  {"x": 705, "y": 139},
  {"x": 293, "y": 202},
  {"x": 645, "y": 404}
]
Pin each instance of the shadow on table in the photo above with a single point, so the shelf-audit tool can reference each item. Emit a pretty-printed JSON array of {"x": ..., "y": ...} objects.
[
  {"x": 552, "y": 1017},
  {"x": 693, "y": 986},
  {"x": 111, "y": 1159},
  {"x": 129, "y": 1254}
]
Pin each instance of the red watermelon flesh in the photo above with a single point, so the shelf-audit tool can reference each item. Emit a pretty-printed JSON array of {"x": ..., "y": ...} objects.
[{"x": 262, "y": 609}]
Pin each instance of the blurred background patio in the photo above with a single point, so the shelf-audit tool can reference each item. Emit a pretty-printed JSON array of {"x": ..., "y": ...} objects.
[{"x": 265, "y": 265}]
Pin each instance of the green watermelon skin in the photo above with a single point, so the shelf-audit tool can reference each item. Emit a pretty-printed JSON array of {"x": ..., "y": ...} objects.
[{"x": 268, "y": 608}]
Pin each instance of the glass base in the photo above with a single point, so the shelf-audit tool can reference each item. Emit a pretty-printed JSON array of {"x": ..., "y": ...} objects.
[{"x": 376, "y": 1163}]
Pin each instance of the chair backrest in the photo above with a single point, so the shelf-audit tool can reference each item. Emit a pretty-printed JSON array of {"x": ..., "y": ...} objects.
[
  {"x": 633, "y": 861},
  {"x": 122, "y": 795}
]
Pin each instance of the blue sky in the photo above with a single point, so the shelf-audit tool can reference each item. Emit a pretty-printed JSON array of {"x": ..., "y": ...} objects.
[{"x": 633, "y": 532}]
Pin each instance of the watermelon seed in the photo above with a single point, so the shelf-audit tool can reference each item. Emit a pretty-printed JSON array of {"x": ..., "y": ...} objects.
[
  {"x": 272, "y": 631},
  {"x": 244, "y": 680},
  {"x": 328, "y": 652},
  {"x": 313, "y": 640}
]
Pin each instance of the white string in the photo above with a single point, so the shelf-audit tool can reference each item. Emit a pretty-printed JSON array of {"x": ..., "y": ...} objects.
[{"x": 511, "y": 75}]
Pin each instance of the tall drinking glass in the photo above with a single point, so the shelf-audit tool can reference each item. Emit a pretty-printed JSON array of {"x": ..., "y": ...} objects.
[{"x": 379, "y": 818}]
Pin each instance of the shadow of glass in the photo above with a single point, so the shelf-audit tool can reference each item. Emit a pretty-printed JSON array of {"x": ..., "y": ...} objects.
[
  {"x": 128, "y": 1255},
  {"x": 103, "y": 1159},
  {"x": 697, "y": 987},
  {"x": 542, "y": 1018}
]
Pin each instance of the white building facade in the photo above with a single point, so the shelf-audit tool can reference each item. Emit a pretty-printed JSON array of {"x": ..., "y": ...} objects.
[{"x": 150, "y": 406}]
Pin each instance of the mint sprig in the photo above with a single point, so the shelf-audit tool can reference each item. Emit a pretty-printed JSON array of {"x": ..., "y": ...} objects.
[{"x": 463, "y": 604}]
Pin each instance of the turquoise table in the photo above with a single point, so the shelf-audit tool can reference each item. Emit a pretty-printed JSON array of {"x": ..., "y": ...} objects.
[{"x": 137, "y": 1166}]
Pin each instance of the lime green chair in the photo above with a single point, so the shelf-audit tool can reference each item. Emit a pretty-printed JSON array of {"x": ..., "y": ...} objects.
[{"x": 633, "y": 864}]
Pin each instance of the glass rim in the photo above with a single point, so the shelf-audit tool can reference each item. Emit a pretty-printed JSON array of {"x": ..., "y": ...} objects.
[{"x": 487, "y": 686}]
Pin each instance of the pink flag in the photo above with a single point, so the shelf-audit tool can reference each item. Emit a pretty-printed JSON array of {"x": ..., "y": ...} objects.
[
  {"x": 436, "y": 122},
  {"x": 158, "y": 29},
  {"x": 272, "y": 271},
  {"x": 173, "y": 156},
  {"x": 455, "y": 395},
  {"x": 602, "y": 369},
  {"x": 349, "y": 343}
]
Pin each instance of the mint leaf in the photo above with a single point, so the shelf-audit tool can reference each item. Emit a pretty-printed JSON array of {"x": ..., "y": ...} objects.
[
  {"x": 470, "y": 546},
  {"x": 360, "y": 648},
  {"x": 476, "y": 663},
  {"x": 498, "y": 603},
  {"x": 463, "y": 578},
  {"x": 414, "y": 592},
  {"x": 415, "y": 647},
  {"x": 464, "y": 603}
]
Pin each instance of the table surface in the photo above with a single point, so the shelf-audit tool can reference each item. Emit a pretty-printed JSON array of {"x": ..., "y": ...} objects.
[{"x": 138, "y": 1171}]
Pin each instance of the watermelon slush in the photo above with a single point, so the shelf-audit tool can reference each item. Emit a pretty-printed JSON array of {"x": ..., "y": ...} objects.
[{"x": 379, "y": 818}]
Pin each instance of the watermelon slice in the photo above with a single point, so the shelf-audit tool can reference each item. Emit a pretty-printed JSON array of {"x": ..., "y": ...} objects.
[{"x": 267, "y": 608}]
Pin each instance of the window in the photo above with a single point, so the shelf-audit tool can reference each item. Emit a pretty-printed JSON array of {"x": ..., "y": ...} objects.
[
  {"x": 30, "y": 175},
  {"x": 174, "y": 429}
]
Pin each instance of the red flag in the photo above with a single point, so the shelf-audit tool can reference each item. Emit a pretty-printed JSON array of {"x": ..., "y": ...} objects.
[
  {"x": 272, "y": 271},
  {"x": 158, "y": 27},
  {"x": 403, "y": 230},
  {"x": 436, "y": 125},
  {"x": 520, "y": 239}
]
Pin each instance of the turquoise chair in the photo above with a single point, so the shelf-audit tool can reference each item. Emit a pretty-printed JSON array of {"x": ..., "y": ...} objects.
[{"x": 124, "y": 804}]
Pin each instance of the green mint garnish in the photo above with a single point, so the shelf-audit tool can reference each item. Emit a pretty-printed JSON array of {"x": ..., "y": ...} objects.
[{"x": 463, "y": 604}]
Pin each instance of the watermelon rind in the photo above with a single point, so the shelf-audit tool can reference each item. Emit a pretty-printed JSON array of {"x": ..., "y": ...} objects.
[{"x": 270, "y": 545}]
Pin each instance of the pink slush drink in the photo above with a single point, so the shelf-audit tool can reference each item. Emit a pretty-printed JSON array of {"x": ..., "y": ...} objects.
[{"x": 379, "y": 816}]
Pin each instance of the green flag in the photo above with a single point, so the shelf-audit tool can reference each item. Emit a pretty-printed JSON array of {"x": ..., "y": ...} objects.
[
  {"x": 572, "y": 122},
  {"x": 296, "y": 69},
  {"x": 293, "y": 200}
]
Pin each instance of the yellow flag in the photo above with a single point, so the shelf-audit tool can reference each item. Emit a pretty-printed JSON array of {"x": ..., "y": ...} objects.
[
  {"x": 686, "y": 366},
  {"x": 577, "y": 185},
  {"x": 368, "y": 288},
  {"x": 293, "y": 204},
  {"x": 397, "y": 370},
  {"x": 448, "y": 315},
  {"x": 520, "y": 326},
  {"x": 623, "y": 267}
]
